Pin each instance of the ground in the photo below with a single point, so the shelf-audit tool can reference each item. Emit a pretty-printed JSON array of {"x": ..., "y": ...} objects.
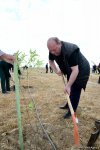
[{"x": 46, "y": 91}]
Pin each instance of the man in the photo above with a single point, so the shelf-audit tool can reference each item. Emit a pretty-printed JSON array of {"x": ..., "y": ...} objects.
[
  {"x": 6, "y": 57},
  {"x": 72, "y": 63},
  {"x": 5, "y": 76}
]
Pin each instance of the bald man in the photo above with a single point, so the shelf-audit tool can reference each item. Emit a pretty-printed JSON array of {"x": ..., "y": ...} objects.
[{"x": 72, "y": 63}]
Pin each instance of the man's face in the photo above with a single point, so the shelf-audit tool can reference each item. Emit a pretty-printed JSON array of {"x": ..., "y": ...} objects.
[{"x": 54, "y": 48}]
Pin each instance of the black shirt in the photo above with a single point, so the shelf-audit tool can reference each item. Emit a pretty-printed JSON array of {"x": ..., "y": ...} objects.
[
  {"x": 73, "y": 61},
  {"x": 71, "y": 56}
]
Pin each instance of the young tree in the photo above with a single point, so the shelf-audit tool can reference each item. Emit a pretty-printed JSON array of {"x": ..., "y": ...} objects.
[
  {"x": 20, "y": 57},
  {"x": 34, "y": 59}
]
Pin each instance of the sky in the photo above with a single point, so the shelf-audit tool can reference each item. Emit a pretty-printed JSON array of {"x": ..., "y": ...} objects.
[{"x": 26, "y": 24}]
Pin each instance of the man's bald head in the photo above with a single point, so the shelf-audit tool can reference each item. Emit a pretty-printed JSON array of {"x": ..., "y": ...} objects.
[
  {"x": 54, "y": 39},
  {"x": 54, "y": 45}
]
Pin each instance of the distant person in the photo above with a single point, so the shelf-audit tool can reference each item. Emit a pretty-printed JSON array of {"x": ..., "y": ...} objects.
[
  {"x": 25, "y": 67},
  {"x": 5, "y": 67},
  {"x": 46, "y": 67},
  {"x": 6, "y": 57},
  {"x": 72, "y": 63},
  {"x": 19, "y": 71},
  {"x": 94, "y": 69},
  {"x": 51, "y": 70},
  {"x": 98, "y": 68}
]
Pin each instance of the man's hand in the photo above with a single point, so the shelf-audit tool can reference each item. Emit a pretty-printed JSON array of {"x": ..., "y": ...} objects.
[
  {"x": 8, "y": 58},
  {"x": 67, "y": 89},
  {"x": 72, "y": 79},
  {"x": 59, "y": 73},
  {"x": 55, "y": 68}
]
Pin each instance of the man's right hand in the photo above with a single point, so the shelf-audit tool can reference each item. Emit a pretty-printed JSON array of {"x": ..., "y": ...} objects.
[{"x": 59, "y": 73}]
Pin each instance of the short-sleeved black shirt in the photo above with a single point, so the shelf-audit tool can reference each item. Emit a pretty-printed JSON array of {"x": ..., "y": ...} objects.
[
  {"x": 71, "y": 56},
  {"x": 73, "y": 61}
]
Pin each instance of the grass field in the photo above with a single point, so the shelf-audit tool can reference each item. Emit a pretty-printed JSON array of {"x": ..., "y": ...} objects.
[{"x": 46, "y": 90}]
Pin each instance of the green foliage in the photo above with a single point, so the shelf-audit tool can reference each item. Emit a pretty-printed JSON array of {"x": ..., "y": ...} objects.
[
  {"x": 39, "y": 63},
  {"x": 30, "y": 106},
  {"x": 20, "y": 57},
  {"x": 33, "y": 57},
  {"x": 32, "y": 61}
]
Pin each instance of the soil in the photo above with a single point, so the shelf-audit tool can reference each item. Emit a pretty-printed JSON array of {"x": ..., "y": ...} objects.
[{"x": 45, "y": 90}]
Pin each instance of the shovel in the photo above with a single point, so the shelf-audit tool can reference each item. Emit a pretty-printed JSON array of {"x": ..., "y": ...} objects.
[{"x": 76, "y": 134}]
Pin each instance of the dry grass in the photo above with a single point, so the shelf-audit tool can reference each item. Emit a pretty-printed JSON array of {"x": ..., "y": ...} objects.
[{"x": 47, "y": 90}]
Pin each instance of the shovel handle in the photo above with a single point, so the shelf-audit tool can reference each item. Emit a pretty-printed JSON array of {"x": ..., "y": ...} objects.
[
  {"x": 68, "y": 99},
  {"x": 76, "y": 134}
]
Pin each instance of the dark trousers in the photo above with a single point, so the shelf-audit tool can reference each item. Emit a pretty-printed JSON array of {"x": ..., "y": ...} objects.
[
  {"x": 75, "y": 96},
  {"x": 5, "y": 82},
  {"x": 46, "y": 70},
  {"x": 51, "y": 70}
]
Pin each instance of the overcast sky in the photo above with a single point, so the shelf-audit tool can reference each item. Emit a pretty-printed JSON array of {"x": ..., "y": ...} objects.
[{"x": 26, "y": 24}]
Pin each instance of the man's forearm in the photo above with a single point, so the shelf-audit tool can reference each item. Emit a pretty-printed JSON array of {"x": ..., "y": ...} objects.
[
  {"x": 8, "y": 58},
  {"x": 53, "y": 66},
  {"x": 73, "y": 76},
  {"x": 1, "y": 54},
  {"x": 4, "y": 56}
]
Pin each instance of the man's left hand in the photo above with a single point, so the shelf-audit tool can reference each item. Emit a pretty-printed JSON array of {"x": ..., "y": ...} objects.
[{"x": 67, "y": 89}]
